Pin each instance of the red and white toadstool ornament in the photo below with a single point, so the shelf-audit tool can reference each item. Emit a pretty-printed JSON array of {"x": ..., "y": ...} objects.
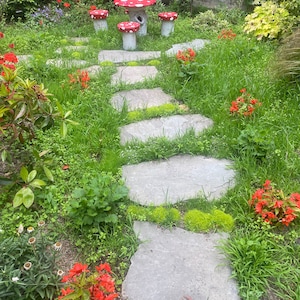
[
  {"x": 128, "y": 30},
  {"x": 167, "y": 26},
  {"x": 99, "y": 18}
]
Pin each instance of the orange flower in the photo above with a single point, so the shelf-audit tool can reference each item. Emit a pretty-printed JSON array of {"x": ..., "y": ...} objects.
[{"x": 67, "y": 4}]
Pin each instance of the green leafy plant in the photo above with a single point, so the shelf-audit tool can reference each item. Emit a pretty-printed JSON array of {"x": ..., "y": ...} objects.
[
  {"x": 97, "y": 202},
  {"x": 28, "y": 264},
  {"x": 268, "y": 21},
  {"x": 222, "y": 221},
  {"x": 273, "y": 206},
  {"x": 79, "y": 285}
]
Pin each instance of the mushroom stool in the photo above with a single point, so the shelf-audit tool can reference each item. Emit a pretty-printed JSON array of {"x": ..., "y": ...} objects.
[
  {"x": 99, "y": 17},
  {"x": 128, "y": 30},
  {"x": 167, "y": 25}
]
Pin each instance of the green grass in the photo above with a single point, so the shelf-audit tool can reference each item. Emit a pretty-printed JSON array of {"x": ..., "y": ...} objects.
[{"x": 265, "y": 260}]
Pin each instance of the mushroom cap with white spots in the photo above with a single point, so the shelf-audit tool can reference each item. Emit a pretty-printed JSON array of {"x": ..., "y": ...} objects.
[
  {"x": 134, "y": 3},
  {"x": 129, "y": 26},
  {"x": 168, "y": 16},
  {"x": 99, "y": 14}
]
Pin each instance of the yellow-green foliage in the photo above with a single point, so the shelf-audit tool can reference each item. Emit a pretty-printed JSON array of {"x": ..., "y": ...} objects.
[
  {"x": 107, "y": 63},
  {"x": 268, "y": 21},
  {"x": 196, "y": 220},
  {"x": 159, "y": 215},
  {"x": 174, "y": 215},
  {"x": 137, "y": 212},
  {"x": 151, "y": 112},
  {"x": 132, "y": 63},
  {"x": 222, "y": 220},
  {"x": 153, "y": 62}
]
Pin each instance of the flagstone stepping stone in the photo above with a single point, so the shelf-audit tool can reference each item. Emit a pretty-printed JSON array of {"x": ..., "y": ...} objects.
[
  {"x": 93, "y": 70},
  {"x": 178, "y": 178},
  {"x": 195, "y": 45},
  {"x": 118, "y": 56},
  {"x": 170, "y": 127},
  {"x": 133, "y": 74},
  {"x": 178, "y": 265},
  {"x": 140, "y": 99},
  {"x": 63, "y": 63},
  {"x": 80, "y": 39},
  {"x": 72, "y": 48},
  {"x": 24, "y": 58}
]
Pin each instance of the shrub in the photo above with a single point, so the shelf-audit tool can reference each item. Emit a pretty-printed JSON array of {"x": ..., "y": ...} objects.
[
  {"x": 196, "y": 220},
  {"x": 287, "y": 64},
  {"x": 209, "y": 21},
  {"x": 268, "y": 21},
  {"x": 137, "y": 212},
  {"x": 222, "y": 220},
  {"x": 29, "y": 266},
  {"x": 159, "y": 215},
  {"x": 97, "y": 202}
]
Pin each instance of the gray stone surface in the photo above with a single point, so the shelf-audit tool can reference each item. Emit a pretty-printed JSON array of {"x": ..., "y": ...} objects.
[
  {"x": 140, "y": 99},
  {"x": 178, "y": 265},
  {"x": 130, "y": 75},
  {"x": 24, "y": 58},
  {"x": 72, "y": 48},
  {"x": 170, "y": 127},
  {"x": 195, "y": 45},
  {"x": 118, "y": 56},
  {"x": 93, "y": 70},
  {"x": 178, "y": 178},
  {"x": 80, "y": 39},
  {"x": 62, "y": 63}
]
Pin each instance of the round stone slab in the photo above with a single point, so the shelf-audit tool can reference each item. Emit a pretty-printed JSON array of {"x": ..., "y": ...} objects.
[
  {"x": 140, "y": 99},
  {"x": 178, "y": 265},
  {"x": 178, "y": 178},
  {"x": 170, "y": 127}
]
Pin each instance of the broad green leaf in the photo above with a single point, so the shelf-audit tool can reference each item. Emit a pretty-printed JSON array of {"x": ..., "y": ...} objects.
[
  {"x": 63, "y": 129},
  {"x": 21, "y": 112},
  {"x": 4, "y": 155},
  {"x": 68, "y": 113},
  {"x": 24, "y": 174},
  {"x": 48, "y": 173},
  {"x": 18, "y": 199},
  {"x": 37, "y": 183},
  {"x": 32, "y": 175},
  {"x": 28, "y": 197},
  {"x": 59, "y": 107}
]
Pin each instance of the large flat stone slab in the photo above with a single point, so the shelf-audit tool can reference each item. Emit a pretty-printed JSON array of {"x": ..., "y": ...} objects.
[
  {"x": 195, "y": 45},
  {"x": 133, "y": 74},
  {"x": 170, "y": 127},
  {"x": 69, "y": 63},
  {"x": 178, "y": 178},
  {"x": 119, "y": 56},
  {"x": 178, "y": 265},
  {"x": 140, "y": 99}
]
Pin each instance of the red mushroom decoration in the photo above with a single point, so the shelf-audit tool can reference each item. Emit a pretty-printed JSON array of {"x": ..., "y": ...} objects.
[{"x": 98, "y": 14}]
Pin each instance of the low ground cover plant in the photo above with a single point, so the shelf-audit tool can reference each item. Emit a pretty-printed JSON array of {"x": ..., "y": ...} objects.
[{"x": 97, "y": 219}]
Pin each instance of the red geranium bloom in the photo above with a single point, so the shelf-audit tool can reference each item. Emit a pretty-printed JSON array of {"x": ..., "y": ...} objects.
[
  {"x": 65, "y": 292},
  {"x": 243, "y": 90},
  {"x": 278, "y": 204},
  {"x": 58, "y": 1},
  {"x": 1, "y": 35},
  {"x": 77, "y": 269},
  {"x": 12, "y": 46},
  {"x": 102, "y": 267},
  {"x": 67, "y": 4},
  {"x": 10, "y": 57},
  {"x": 93, "y": 7}
]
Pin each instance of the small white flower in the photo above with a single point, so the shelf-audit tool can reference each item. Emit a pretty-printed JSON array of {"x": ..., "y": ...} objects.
[
  {"x": 15, "y": 279},
  {"x": 41, "y": 223},
  {"x": 32, "y": 240},
  {"x": 30, "y": 229},
  {"x": 20, "y": 229},
  {"x": 57, "y": 246},
  {"x": 27, "y": 265},
  {"x": 60, "y": 273}
]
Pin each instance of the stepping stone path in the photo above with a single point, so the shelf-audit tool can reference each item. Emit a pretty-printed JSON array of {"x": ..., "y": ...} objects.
[{"x": 169, "y": 264}]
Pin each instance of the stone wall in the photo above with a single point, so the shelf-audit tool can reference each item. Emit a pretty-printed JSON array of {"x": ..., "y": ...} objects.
[{"x": 218, "y": 3}]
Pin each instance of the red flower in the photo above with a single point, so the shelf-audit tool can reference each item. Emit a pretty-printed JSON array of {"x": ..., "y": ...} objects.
[
  {"x": 93, "y": 7},
  {"x": 259, "y": 206},
  {"x": 10, "y": 57},
  {"x": 12, "y": 46},
  {"x": 67, "y": 4},
  {"x": 102, "y": 267},
  {"x": 1, "y": 35},
  {"x": 58, "y": 1},
  {"x": 243, "y": 90},
  {"x": 65, "y": 292},
  {"x": 278, "y": 204}
]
